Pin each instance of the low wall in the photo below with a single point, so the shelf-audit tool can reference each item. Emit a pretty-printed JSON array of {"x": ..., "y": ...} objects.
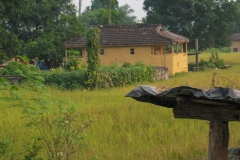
[
  {"x": 13, "y": 79},
  {"x": 161, "y": 73}
]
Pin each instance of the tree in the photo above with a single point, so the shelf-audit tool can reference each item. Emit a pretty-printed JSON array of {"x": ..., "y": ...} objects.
[
  {"x": 209, "y": 20},
  {"x": 110, "y": 4},
  {"x": 41, "y": 25},
  {"x": 98, "y": 14},
  {"x": 237, "y": 20},
  {"x": 126, "y": 17},
  {"x": 52, "y": 22},
  {"x": 92, "y": 57},
  {"x": 10, "y": 11}
]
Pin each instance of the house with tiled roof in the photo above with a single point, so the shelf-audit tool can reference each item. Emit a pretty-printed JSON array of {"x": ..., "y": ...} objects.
[
  {"x": 235, "y": 46},
  {"x": 149, "y": 43}
]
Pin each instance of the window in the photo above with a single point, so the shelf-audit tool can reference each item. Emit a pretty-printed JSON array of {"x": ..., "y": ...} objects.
[
  {"x": 168, "y": 48},
  {"x": 101, "y": 51},
  {"x": 132, "y": 51},
  {"x": 235, "y": 49},
  {"x": 156, "y": 50}
]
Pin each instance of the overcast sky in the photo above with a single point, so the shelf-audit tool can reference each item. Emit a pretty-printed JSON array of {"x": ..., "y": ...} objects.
[{"x": 134, "y": 4}]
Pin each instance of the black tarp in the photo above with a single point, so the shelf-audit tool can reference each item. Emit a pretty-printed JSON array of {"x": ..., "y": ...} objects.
[{"x": 151, "y": 94}]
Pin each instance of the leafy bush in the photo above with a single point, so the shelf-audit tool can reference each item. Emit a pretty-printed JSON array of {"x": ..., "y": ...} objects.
[
  {"x": 119, "y": 76},
  {"x": 73, "y": 63},
  {"x": 108, "y": 76},
  {"x": 66, "y": 79},
  {"x": 17, "y": 68},
  {"x": 127, "y": 65},
  {"x": 213, "y": 62},
  {"x": 191, "y": 66}
]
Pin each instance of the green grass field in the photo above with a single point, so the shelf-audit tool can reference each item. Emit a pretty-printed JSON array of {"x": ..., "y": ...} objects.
[{"x": 125, "y": 129}]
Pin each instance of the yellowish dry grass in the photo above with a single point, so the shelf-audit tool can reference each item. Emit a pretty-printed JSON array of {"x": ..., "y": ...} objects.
[
  {"x": 125, "y": 129},
  {"x": 229, "y": 58}
]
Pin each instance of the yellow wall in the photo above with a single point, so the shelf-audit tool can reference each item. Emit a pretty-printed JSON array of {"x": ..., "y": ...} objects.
[
  {"x": 175, "y": 62},
  {"x": 235, "y": 44}
]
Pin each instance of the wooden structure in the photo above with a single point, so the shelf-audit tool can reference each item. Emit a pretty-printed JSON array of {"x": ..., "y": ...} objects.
[
  {"x": 196, "y": 68},
  {"x": 148, "y": 43},
  {"x": 218, "y": 105}
]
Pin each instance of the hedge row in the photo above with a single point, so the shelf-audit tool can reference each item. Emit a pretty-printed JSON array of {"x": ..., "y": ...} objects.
[{"x": 107, "y": 77}]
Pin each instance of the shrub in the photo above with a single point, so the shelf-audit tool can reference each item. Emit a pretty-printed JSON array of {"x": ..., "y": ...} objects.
[
  {"x": 108, "y": 76},
  {"x": 191, "y": 66},
  {"x": 17, "y": 68},
  {"x": 119, "y": 76},
  {"x": 127, "y": 65},
  {"x": 213, "y": 62},
  {"x": 73, "y": 63},
  {"x": 66, "y": 79}
]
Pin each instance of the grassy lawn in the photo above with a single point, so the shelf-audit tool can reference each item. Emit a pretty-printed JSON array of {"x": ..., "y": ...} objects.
[{"x": 125, "y": 129}]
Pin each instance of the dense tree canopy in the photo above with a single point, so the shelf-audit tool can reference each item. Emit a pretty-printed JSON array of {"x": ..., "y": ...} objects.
[
  {"x": 9, "y": 12},
  {"x": 38, "y": 28},
  {"x": 99, "y": 13},
  {"x": 210, "y": 20},
  {"x": 52, "y": 22},
  {"x": 42, "y": 26}
]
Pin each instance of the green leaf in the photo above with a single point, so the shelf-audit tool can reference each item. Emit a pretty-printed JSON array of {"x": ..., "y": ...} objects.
[{"x": 30, "y": 124}]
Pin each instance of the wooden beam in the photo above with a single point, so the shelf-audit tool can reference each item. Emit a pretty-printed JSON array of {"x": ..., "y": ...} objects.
[
  {"x": 218, "y": 139},
  {"x": 196, "y": 48}
]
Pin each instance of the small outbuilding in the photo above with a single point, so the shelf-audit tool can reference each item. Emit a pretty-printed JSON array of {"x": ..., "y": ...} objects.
[{"x": 235, "y": 46}]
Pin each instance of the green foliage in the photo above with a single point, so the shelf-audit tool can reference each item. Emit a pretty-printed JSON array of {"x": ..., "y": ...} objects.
[
  {"x": 10, "y": 44},
  {"x": 213, "y": 62},
  {"x": 24, "y": 58},
  {"x": 37, "y": 28},
  {"x": 99, "y": 14},
  {"x": 120, "y": 76},
  {"x": 108, "y": 76},
  {"x": 57, "y": 125},
  {"x": 191, "y": 66},
  {"x": 32, "y": 149},
  {"x": 17, "y": 68},
  {"x": 6, "y": 145},
  {"x": 66, "y": 80},
  {"x": 194, "y": 18},
  {"x": 126, "y": 15},
  {"x": 126, "y": 65},
  {"x": 92, "y": 57},
  {"x": 73, "y": 63}
]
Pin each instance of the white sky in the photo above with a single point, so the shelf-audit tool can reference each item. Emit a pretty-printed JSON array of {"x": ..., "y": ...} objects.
[{"x": 134, "y": 4}]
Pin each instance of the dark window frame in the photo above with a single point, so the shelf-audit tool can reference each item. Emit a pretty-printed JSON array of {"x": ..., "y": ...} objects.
[
  {"x": 101, "y": 51},
  {"x": 132, "y": 51},
  {"x": 235, "y": 49}
]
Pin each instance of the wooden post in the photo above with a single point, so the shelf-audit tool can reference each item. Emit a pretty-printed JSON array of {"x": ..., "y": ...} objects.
[
  {"x": 196, "y": 48},
  {"x": 218, "y": 139},
  {"x": 66, "y": 55}
]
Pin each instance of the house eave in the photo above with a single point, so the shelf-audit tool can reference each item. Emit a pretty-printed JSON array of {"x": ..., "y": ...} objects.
[{"x": 124, "y": 45}]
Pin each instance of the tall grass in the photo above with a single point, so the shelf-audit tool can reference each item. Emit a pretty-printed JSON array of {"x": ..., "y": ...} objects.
[
  {"x": 229, "y": 58},
  {"x": 125, "y": 129}
]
